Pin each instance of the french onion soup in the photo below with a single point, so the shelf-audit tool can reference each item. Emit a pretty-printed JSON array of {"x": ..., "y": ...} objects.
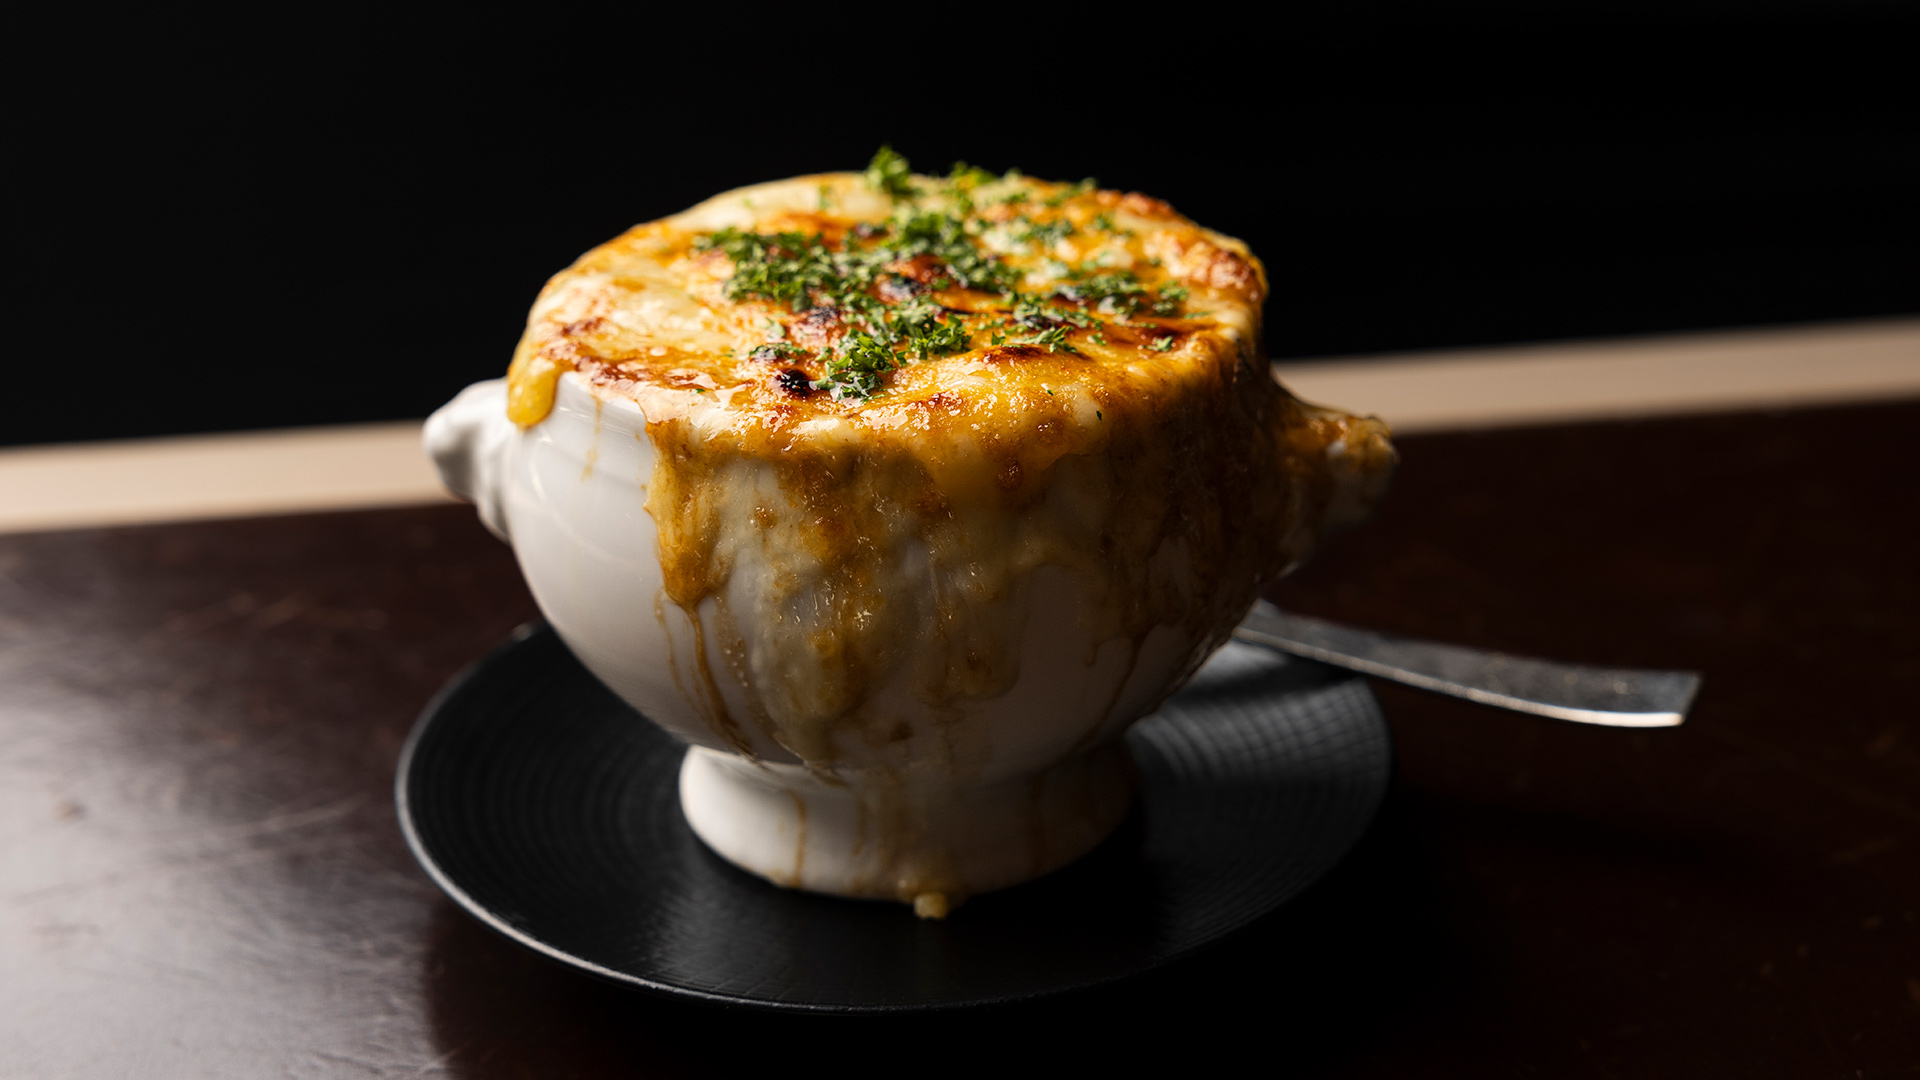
[{"x": 921, "y": 452}]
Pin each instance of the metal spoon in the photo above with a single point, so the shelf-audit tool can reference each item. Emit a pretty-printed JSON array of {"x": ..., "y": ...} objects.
[{"x": 1619, "y": 697}]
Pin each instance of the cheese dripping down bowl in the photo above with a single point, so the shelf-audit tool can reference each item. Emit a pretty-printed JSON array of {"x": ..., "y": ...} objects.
[{"x": 899, "y": 498}]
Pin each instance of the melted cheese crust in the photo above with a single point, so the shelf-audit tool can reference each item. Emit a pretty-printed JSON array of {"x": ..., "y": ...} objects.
[
  {"x": 1152, "y": 457},
  {"x": 646, "y": 315}
]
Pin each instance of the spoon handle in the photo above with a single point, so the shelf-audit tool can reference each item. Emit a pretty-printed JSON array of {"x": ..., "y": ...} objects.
[{"x": 1620, "y": 697}]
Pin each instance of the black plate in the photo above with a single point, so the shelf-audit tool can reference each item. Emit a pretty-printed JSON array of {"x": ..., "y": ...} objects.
[{"x": 550, "y": 810}]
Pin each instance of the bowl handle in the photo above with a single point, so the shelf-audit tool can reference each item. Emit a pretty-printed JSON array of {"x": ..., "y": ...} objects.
[{"x": 468, "y": 439}]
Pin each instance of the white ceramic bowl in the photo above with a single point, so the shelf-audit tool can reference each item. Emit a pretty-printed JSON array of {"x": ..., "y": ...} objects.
[{"x": 947, "y": 798}]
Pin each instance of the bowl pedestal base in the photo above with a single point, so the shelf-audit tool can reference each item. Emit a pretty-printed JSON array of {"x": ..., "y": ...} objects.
[{"x": 896, "y": 838}]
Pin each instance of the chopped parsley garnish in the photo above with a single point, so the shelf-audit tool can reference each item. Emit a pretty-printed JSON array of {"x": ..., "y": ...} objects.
[
  {"x": 1171, "y": 295},
  {"x": 855, "y": 367},
  {"x": 960, "y": 183},
  {"x": 1048, "y": 322},
  {"x": 790, "y": 268},
  {"x": 803, "y": 272},
  {"x": 917, "y": 325},
  {"x": 969, "y": 176},
  {"x": 1054, "y": 338},
  {"x": 1030, "y": 310},
  {"x": 773, "y": 352},
  {"x": 855, "y": 372},
  {"x": 945, "y": 238},
  {"x": 1044, "y": 234},
  {"x": 881, "y": 279},
  {"x": 916, "y": 330},
  {"x": 889, "y": 172},
  {"x": 1116, "y": 291}
]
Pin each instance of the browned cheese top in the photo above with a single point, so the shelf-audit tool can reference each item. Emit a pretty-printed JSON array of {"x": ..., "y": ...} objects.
[{"x": 1090, "y": 299}]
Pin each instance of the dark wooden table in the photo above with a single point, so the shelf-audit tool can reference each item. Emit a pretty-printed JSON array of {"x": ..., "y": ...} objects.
[{"x": 201, "y": 876}]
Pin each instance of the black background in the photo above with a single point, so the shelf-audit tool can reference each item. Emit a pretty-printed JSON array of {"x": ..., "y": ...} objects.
[{"x": 223, "y": 226}]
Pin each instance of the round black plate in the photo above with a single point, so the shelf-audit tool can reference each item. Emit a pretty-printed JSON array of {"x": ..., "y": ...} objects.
[{"x": 550, "y": 810}]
